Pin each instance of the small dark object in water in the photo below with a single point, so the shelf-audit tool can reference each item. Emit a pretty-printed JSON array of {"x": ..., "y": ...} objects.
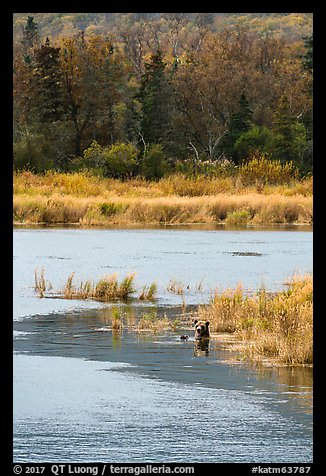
[
  {"x": 246, "y": 253},
  {"x": 184, "y": 337}
]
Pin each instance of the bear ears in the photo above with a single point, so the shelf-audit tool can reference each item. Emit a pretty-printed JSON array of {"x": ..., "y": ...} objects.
[{"x": 207, "y": 322}]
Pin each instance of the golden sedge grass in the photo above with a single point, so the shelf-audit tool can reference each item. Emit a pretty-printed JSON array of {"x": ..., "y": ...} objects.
[
  {"x": 250, "y": 208},
  {"x": 275, "y": 325},
  {"x": 84, "y": 199},
  {"x": 108, "y": 288},
  {"x": 83, "y": 184}
]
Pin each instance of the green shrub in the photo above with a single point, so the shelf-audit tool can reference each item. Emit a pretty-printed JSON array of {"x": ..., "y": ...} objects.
[
  {"x": 255, "y": 140},
  {"x": 32, "y": 153},
  {"x": 109, "y": 208},
  {"x": 238, "y": 217},
  {"x": 120, "y": 160},
  {"x": 117, "y": 160},
  {"x": 94, "y": 155},
  {"x": 153, "y": 164}
]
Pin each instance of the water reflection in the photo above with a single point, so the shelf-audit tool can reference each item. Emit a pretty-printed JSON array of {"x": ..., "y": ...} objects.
[
  {"x": 201, "y": 348},
  {"x": 245, "y": 403},
  {"x": 184, "y": 227},
  {"x": 116, "y": 338},
  {"x": 290, "y": 377},
  {"x": 295, "y": 382},
  {"x": 90, "y": 335}
]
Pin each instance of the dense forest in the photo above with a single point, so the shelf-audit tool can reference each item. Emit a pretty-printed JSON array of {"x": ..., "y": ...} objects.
[{"x": 147, "y": 94}]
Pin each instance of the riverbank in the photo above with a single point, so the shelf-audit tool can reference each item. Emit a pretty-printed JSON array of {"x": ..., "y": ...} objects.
[
  {"x": 85, "y": 200},
  {"x": 262, "y": 327},
  {"x": 267, "y": 327}
]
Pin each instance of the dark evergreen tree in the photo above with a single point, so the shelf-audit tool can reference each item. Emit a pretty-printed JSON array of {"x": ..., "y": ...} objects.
[
  {"x": 46, "y": 133},
  {"x": 291, "y": 137},
  {"x": 154, "y": 96},
  {"x": 133, "y": 118},
  {"x": 307, "y": 117},
  {"x": 307, "y": 59},
  {"x": 240, "y": 122},
  {"x": 30, "y": 33},
  {"x": 47, "y": 87},
  {"x": 30, "y": 39}
]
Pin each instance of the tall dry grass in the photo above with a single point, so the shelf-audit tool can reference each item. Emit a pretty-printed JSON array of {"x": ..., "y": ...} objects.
[
  {"x": 278, "y": 325},
  {"x": 85, "y": 184},
  {"x": 108, "y": 288},
  {"x": 87, "y": 200},
  {"x": 251, "y": 208}
]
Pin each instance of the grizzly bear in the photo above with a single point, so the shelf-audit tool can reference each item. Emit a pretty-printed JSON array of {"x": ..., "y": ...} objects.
[{"x": 201, "y": 329}]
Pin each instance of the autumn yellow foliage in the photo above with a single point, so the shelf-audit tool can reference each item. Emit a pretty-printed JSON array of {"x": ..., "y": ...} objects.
[{"x": 277, "y": 325}]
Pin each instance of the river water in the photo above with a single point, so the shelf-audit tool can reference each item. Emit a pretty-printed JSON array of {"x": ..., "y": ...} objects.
[{"x": 85, "y": 393}]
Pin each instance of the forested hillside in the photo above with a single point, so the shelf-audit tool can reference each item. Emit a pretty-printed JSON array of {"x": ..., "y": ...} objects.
[
  {"x": 130, "y": 94},
  {"x": 291, "y": 25}
]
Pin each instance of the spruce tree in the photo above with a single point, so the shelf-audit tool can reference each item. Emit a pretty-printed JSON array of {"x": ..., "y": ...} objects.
[
  {"x": 308, "y": 57},
  {"x": 30, "y": 33},
  {"x": 240, "y": 122},
  {"x": 47, "y": 84},
  {"x": 30, "y": 39},
  {"x": 154, "y": 99},
  {"x": 291, "y": 138}
]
